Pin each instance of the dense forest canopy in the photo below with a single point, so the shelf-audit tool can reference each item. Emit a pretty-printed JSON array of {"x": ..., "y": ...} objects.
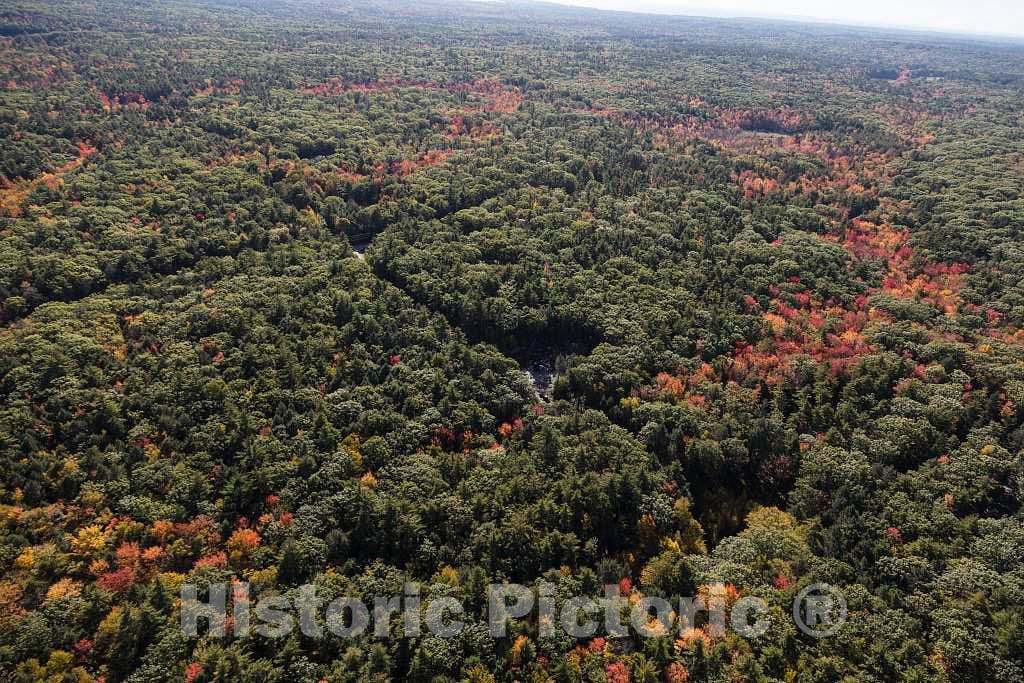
[{"x": 774, "y": 273}]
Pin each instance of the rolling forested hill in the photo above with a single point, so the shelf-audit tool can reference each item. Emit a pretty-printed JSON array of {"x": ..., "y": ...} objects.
[{"x": 656, "y": 302}]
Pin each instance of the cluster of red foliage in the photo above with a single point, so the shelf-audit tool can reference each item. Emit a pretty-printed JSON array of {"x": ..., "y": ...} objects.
[
  {"x": 38, "y": 71},
  {"x": 347, "y": 176},
  {"x": 779, "y": 120},
  {"x": 903, "y": 78},
  {"x": 498, "y": 97},
  {"x": 461, "y": 126},
  {"x": 507, "y": 429},
  {"x": 763, "y": 132},
  {"x": 758, "y": 185},
  {"x": 330, "y": 181},
  {"x": 449, "y": 439},
  {"x": 937, "y": 284},
  {"x": 123, "y": 100},
  {"x": 133, "y": 565},
  {"x": 193, "y": 672},
  {"x": 232, "y": 87},
  {"x": 616, "y": 672},
  {"x": 13, "y": 193},
  {"x": 407, "y": 167},
  {"x": 798, "y": 322}
]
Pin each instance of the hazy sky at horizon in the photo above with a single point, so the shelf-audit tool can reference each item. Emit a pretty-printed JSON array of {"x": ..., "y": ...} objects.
[{"x": 999, "y": 17}]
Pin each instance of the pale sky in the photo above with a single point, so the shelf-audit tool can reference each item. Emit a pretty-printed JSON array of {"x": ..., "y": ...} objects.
[{"x": 997, "y": 17}]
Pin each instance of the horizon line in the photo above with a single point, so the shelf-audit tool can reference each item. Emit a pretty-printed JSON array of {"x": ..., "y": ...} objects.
[{"x": 703, "y": 12}]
